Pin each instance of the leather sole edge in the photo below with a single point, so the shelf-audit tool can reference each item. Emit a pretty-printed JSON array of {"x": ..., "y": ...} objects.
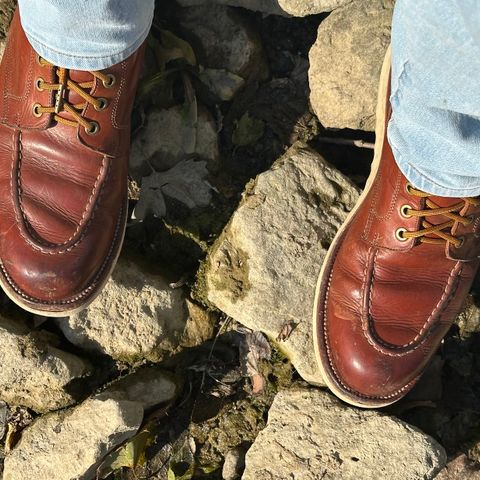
[
  {"x": 380, "y": 131},
  {"x": 88, "y": 299}
]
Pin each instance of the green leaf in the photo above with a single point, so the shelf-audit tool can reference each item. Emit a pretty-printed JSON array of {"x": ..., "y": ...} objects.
[
  {"x": 182, "y": 465},
  {"x": 174, "y": 48},
  {"x": 129, "y": 455},
  {"x": 186, "y": 475},
  {"x": 209, "y": 468},
  {"x": 248, "y": 130}
]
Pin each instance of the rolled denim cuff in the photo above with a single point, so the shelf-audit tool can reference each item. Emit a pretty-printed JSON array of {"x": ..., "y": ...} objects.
[
  {"x": 105, "y": 36},
  {"x": 442, "y": 184}
]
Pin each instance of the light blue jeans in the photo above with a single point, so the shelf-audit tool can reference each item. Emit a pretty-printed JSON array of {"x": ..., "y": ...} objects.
[
  {"x": 86, "y": 34},
  {"x": 435, "y": 127}
]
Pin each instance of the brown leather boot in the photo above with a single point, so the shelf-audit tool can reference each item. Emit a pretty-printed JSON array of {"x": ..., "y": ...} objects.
[
  {"x": 64, "y": 141},
  {"x": 393, "y": 281}
]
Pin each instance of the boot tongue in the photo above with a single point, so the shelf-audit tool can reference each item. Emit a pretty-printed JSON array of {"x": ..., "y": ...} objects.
[
  {"x": 72, "y": 97},
  {"x": 80, "y": 76},
  {"x": 438, "y": 219}
]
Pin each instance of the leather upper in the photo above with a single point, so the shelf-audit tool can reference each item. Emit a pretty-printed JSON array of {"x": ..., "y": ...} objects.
[
  {"x": 62, "y": 191},
  {"x": 387, "y": 302}
]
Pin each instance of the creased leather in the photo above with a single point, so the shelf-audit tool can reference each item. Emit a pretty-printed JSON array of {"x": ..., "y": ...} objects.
[
  {"x": 62, "y": 192},
  {"x": 386, "y": 304}
]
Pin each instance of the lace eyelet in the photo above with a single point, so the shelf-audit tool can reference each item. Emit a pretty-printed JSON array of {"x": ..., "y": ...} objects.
[
  {"x": 399, "y": 234},
  {"x": 38, "y": 84},
  {"x": 470, "y": 218},
  {"x": 38, "y": 58},
  {"x": 93, "y": 130},
  {"x": 35, "y": 111},
  {"x": 462, "y": 241},
  {"x": 102, "y": 104},
  {"x": 111, "y": 81},
  {"x": 403, "y": 211},
  {"x": 408, "y": 188}
]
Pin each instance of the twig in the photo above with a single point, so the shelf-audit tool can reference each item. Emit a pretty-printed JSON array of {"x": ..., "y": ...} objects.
[
  {"x": 220, "y": 331},
  {"x": 347, "y": 141}
]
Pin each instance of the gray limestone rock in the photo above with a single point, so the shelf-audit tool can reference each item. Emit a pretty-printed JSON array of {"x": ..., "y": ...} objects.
[
  {"x": 224, "y": 39},
  {"x": 3, "y": 418},
  {"x": 35, "y": 374},
  {"x": 263, "y": 269},
  {"x": 310, "y": 435},
  {"x": 7, "y": 7},
  {"x": 70, "y": 444},
  {"x": 234, "y": 463},
  {"x": 345, "y": 64},
  {"x": 137, "y": 316},
  {"x": 148, "y": 386},
  {"x": 296, "y": 8}
]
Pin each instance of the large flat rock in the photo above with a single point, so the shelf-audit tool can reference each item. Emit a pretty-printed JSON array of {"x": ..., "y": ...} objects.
[
  {"x": 224, "y": 39},
  {"x": 296, "y": 8},
  {"x": 263, "y": 269},
  {"x": 71, "y": 444},
  {"x": 137, "y": 316},
  {"x": 310, "y": 435},
  {"x": 33, "y": 373},
  {"x": 345, "y": 64}
]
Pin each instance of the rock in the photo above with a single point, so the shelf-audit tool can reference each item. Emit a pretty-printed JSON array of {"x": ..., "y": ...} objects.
[
  {"x": 33, "y": 373},
  {"x": 72, "y": 443},
  {"x": 7, "y": 7},
  {"x": 224, "y": 39},
  {"x": 222, "y": 83},
  {"x": 297, "y": 8},
  {"x": 234, "y": 464},
  {"x": 468, "y": 321},
  {"x": 148, "y": 386},
  {"x": 137, "y": 316},
  {"x": 3, "y": 44},
  {"x": 161, "y": 144},
  {"x": 263, "y": 269},
  {"x": 460, "y": 468},
  {"x": 200, "y": 326},
  {"x": 345, "y": 64},
  {"x": 3, "y": 418},
  {"x": 310, "y": 435}
]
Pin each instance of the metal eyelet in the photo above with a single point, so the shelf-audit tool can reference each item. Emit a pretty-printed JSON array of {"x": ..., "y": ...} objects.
[
  {"x": 93, "y": 130},
  {"x": 408, "y": 188},
  {"x": 35, "y": 111},
  {"x": 403, "y": 211},
  {"x": 38, "y": 84},
  {"x": 38, "y": 58},
  {"x": 399, "y": 234},
  {"x": 102, "y": 104},
  {"x": 470, "y": 218},
  {"x": 462, "y": 241},
  {"x": 111, "y": 81}
]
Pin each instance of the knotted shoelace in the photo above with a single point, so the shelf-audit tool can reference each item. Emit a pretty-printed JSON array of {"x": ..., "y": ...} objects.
[
  {"x": 61, "y": 104},
  {"x": 442, "y": 230}
]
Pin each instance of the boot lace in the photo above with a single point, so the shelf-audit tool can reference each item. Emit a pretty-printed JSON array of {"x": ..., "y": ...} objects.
[
  {"x": 429, "y": 231},
  {"x": 65, "y": 83}
]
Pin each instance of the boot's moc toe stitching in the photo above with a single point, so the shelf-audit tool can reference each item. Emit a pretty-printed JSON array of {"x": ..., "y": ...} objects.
[
  {"x": 395, "y": 278},
  {"x": 64, "y": 141}
]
